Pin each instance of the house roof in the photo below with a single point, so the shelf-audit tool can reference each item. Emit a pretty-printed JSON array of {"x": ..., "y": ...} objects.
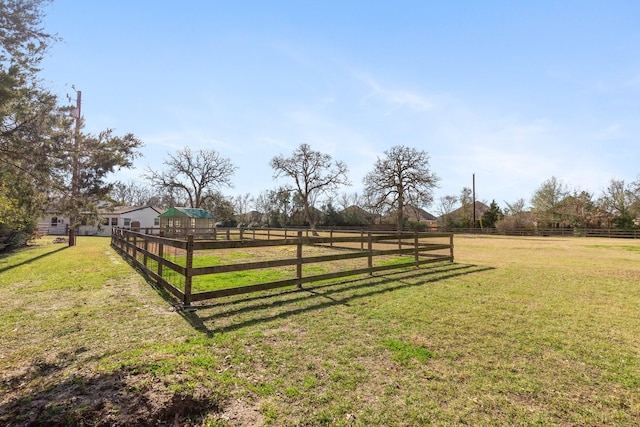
[
  {"x": 419, "y": 214},
  {"x": 480, "y": 208},
  {"x": 189, "y": 212},
  {"x": 127, "y": 209}
]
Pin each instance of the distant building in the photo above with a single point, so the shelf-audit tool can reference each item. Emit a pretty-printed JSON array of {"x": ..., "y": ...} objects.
[{"x": 129, "y": 217}]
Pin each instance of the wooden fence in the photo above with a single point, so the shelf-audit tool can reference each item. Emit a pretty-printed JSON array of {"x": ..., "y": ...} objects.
[
  {"x": 170, "y": 261},
  {"x": 558, "y": 232}
]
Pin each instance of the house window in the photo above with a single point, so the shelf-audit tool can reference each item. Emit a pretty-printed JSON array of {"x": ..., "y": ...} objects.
[
  {"x": 105, "y": 221},
  {"x": 156, "y": 221},
  {"x": 127, "y": 222},
  {"x": 114, "y": 222},
  {"x": 54, "y": 221}
]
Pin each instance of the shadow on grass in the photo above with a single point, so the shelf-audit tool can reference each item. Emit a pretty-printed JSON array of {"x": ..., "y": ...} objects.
[
  {"x": 120, "y": 398},
  {"x": 30, "y": 260},
  {"x": 238, "y": 312}
]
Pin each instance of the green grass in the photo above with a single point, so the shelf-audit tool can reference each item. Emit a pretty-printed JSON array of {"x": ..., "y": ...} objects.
[{"x": 519, "y": 331}]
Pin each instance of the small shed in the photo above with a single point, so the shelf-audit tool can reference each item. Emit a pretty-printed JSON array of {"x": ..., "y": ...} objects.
[{"x": 180, "y": 222}]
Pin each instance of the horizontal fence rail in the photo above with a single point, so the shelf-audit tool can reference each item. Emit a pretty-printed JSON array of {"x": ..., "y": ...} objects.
[
  {"x": 562, "y": 232},
  {"x": 187, "y": 267}
]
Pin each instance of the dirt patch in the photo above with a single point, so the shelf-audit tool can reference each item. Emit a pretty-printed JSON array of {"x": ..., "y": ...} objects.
[
  {"x": 239, "y": 413},
  {"x": 107, "y": 400}
]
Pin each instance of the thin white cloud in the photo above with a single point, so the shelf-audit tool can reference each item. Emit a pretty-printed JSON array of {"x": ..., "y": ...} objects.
[{"x": 396, "y": 98}]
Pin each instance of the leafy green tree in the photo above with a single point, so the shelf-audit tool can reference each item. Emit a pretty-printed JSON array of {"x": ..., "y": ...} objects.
[
  {"x": 402, "y": 177},
  {"x": 331, "y": 216},
  {"x": 42, "y": 154},
  {"x": 546, "y": 202},
  {"x": 27, "y": 115},
  {"x": 620, "y": 200},
  {"x": 84, "y": 162},
  {"x": 492, "y": 216}
]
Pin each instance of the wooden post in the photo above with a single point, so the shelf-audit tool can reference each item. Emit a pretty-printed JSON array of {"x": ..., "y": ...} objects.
[
  {"x": 187, "y": 276},
  {"x": 362, "y": 241},
  {"x": 299, "y": 260},
  {"x": 228, "y": 234},
  {"x": 331, "y": 238},
  {"x": 160, "y": 258},
  {"x": 451, "y": 246},
  {"x": 370, "y": 258},
  {"x": 146, "y": 249},
  {"x": 135, "y": 247},
  {"x": 416, "y": 250}
]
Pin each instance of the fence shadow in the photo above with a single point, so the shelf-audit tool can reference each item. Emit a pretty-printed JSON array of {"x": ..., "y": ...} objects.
[
  {"x": 30, "y": 260},
  {"x": 234, "y": 313}
]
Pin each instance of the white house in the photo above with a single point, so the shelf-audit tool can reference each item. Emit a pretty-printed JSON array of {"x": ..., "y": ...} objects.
[{"x": 132, "y": 217}]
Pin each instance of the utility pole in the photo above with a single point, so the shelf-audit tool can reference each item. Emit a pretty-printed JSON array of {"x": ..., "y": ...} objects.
[
  {"x": 75, "y": 175},
  {"x": 474, "y": 201}
]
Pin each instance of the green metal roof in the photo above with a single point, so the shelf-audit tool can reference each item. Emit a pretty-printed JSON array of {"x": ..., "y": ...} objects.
[{"x": 189, "y": 212}]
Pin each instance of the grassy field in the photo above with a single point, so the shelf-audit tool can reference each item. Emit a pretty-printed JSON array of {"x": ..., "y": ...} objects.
[{"x": 518, "y": 331}]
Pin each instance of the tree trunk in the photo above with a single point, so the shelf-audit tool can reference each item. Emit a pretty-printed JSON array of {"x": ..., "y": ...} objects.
[{"x": 72, "y": 231}]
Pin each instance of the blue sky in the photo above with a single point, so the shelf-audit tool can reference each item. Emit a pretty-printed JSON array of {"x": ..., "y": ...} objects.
[{"x": 513, "y": 91}]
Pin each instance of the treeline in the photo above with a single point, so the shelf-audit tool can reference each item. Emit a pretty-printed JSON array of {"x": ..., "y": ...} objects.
[
  {"x": 399, "y": 182},
  {"x": 552, "y": 205}
]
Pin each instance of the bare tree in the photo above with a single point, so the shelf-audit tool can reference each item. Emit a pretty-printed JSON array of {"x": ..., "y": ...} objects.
[
  {"x": 221, "y": 207},
  {"x": 402, "y": 177},
  {"x": 241, "y": 204},
  {"x": 447, "y": 205},
  {"x": 197, "y": 174},
  {"x": 133, "y": 194},
  {"x": 515, "y": 217},
  {"x": 465, "y": 219},
  {"x": 313, "y": 173}
]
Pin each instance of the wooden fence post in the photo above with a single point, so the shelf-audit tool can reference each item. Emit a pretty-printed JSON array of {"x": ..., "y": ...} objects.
[
  {"x": 135, "y": 247},
  {"x": 189, "y": 266},
  {"x": 370, "y": 258},
  {"x": 416, "y": 250},
  {"x": 451, "y": 246},
  {"x": 160, "y": 258},
  {"x": 146, "y": 249},
  {"x": 299, "y": 260}
]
